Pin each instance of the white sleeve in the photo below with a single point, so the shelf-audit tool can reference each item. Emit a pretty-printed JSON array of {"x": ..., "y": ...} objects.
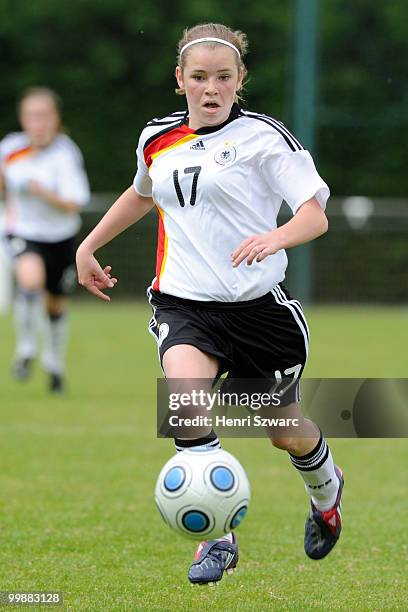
[
  {"x": 72, "y": 181},
  {"x": 293, "y": 176},
  {"x": 6, "y": 145},
  {"x": 10, "y": 143},
  {"x": 142, "y": 182}
]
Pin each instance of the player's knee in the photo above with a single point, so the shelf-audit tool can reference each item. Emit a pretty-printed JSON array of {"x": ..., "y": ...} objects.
[
  {"x": 30, "y": 272},
  {"x": 31, "y": 284},
  {"x": 288, "y": 443}
]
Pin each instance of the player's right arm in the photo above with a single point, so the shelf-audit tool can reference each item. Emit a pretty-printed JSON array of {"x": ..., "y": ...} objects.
[{"x": 127, "y": 210}]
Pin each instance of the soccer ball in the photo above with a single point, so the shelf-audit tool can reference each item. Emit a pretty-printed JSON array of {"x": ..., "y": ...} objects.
[{"x": 203, "y": 494}]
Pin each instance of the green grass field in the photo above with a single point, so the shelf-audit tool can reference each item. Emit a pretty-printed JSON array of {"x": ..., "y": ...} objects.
[{"x": 77, "y": 475}]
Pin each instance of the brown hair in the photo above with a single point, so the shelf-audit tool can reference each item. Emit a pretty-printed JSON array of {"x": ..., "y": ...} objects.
[
  {"x": 215, "y": 30},
  {"x": 39, "y": 90}
]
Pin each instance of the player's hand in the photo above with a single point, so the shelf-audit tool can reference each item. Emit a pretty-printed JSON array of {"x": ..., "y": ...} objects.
[
  {"x": 256, "y": 247},
  {"x": 35, "y": 188},
  {"x": 92, "y": 276}
]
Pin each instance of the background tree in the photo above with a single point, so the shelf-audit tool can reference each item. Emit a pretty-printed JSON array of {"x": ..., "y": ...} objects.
[{"x": 113, "y": 60}]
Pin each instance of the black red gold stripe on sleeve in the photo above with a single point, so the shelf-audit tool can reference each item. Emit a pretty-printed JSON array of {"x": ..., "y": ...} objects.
[
  {"x": 15, "y": 155},
  {"x": 165, "y": 141}
]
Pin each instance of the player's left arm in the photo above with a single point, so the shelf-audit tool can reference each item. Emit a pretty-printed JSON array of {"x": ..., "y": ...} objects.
[{"x": 309, "y": 222}]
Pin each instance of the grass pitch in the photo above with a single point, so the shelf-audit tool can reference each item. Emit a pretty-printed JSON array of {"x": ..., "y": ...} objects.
[{"x": 78, "y": 472}]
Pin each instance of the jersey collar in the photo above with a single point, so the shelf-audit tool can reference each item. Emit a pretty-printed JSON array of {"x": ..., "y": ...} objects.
[{"x": 234, "y": 114}]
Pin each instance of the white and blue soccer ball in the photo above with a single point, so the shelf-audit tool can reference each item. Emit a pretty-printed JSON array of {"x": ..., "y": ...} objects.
[{"x": 203, "y": 494}]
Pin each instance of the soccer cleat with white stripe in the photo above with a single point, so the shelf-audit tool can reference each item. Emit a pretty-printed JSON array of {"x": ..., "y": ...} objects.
[
  {"x": 322, "y": 528},
  {"x": 212, "y": 559}
]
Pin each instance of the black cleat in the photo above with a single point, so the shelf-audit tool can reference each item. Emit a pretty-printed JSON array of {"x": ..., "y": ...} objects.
[
  {"x": 56, "y": 383},
  {"x": 322, "y": 529},
  {"x": 21, "y": 368},
  {"x": 212, "y": 559}
]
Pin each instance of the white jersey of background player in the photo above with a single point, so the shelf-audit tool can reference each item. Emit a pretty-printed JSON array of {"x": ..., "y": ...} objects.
[{"x": 58, "y": 167}]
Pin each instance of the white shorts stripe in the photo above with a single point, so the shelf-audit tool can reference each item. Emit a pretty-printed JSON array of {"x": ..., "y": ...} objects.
[
  {"x": 299, "y": 319},
  {"x": 153, "y": 323},
  {"x": 292, "y": 300},
  {"x": 296, "y": 304}
]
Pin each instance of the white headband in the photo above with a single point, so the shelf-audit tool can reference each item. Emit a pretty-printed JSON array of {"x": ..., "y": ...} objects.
[{"x": 210, "y": 39}]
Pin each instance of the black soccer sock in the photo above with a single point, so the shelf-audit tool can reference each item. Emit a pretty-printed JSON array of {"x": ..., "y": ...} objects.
[{"x": 207, "y": 443}]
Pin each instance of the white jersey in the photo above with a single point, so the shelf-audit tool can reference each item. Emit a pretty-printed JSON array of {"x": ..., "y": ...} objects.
[
  {"x": 215, "y": 187},
  {"x": 57, "y": 168}
]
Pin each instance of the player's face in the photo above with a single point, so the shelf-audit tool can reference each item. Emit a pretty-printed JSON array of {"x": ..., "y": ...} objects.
[
  {"x": 39, "y": 119},
  {"x": 210, "y": 78}
]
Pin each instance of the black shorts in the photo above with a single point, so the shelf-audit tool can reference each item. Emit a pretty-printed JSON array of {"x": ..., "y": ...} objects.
[
  {"x": 58, "y": 258},
  {"x": 263, "y": 339}
]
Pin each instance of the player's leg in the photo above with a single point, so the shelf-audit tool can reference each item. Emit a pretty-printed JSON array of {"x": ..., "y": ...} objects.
[
  {"x": 186, "y": 367},
  {"x": 5, "y": 272},
  {"x": 55, "y": 340},
  {"x": 191, "y": 352},
  {"x": 271, "y": 344},
  {"x": 308, "y": 450},
  {"x": 311, "y": 457},
  {"x": 60, "y": 279},
  {"x": 28, "y": 309}
]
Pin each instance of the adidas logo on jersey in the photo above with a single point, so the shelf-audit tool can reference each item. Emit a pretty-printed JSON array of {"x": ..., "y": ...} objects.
[{"x": 198, "y": 146}]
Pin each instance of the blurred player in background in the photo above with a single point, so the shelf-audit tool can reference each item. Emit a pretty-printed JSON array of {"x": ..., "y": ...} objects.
[
  {"x": 45, "y": 186},
  {"x": 218, "y": 175}
]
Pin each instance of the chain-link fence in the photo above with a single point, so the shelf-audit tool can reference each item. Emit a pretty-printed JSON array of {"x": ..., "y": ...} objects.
[{"x": 363, "y": 257}]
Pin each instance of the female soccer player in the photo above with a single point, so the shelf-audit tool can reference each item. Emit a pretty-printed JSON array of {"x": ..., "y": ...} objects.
[
  {"x": 217, "y": 175},
  {"x": 45, "y": 187}
]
